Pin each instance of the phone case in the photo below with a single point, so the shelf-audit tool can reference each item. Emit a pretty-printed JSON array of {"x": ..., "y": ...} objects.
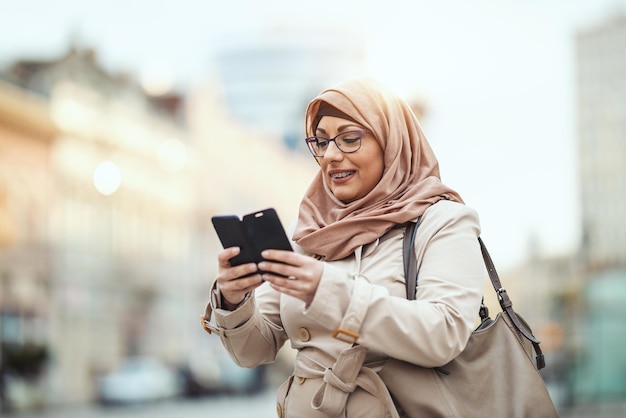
[{"x": 254, "y": 233}]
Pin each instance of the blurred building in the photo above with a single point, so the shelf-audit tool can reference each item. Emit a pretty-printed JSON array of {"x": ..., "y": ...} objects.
[
  {"x": 26, "y": 191},
  {"x": 575, "y": 302},
  {"x": 600, "y": 358},
  {"x": 268, "y": 78},
  {"x": 601, "y": 83},
  {"x": 106, "y": 246},
  {"x": 99, "y": 200}
]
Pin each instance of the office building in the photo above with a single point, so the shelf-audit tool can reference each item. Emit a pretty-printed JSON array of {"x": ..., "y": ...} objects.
[
  {"x": 269, "y": 78},
  {"x": 601, "y": 83}
]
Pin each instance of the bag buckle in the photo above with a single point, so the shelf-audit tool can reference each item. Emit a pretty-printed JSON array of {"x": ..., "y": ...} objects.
[{"x": 483, "y": 312}]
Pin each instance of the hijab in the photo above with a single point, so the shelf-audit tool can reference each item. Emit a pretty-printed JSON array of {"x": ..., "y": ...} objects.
[{"x": 410, "y": 182}]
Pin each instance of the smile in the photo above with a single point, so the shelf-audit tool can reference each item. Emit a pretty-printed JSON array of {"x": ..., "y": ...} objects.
[{"x": 341, "y": 174}]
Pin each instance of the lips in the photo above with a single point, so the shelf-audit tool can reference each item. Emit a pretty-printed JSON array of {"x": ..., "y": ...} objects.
[{"x": 340, "y": 176}]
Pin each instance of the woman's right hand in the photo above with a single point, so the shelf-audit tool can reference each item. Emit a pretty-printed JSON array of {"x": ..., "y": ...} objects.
[{"x": 231, "y": 281}]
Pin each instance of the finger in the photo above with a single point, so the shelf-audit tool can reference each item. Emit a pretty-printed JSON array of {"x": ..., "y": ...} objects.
[
  {"x": 224, "y": 257},
  {"x": 243, "y": 270},
  {"x": 290, "y": 283},
  {"x": 248, "y": 282},
  {"x": 243, "y": 284},
  {"x": 277, "y": 268},
  {"x": 230, "y": 274},
  {"x": 281, "y": 286},
  {"x": 287, "y": 257}
]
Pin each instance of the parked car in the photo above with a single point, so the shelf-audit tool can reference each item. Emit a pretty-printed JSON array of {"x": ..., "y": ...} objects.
[
  {"x": 210, "y": 370},
  {"x": 139, "y": 379}
]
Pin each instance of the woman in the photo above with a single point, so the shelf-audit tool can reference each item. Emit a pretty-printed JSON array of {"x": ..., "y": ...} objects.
[{"x": 340, "y": 298}]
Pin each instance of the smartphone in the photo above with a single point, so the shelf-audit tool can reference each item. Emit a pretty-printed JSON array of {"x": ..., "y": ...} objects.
[{"x": 254, "y": 233}]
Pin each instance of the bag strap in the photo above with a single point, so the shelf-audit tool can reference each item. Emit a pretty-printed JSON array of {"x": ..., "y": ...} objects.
[
  {"x": 507, "y": 305},
  {"x": 410, "y": 274},
  {"x": 408, "y": 256}
]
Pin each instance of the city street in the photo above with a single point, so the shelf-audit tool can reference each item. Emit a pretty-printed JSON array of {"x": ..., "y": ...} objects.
[{"x": 257, "y": 406}]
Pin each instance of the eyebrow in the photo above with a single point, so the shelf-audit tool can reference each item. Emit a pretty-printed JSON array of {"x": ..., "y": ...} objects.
[{"x": 340, "y": 128}]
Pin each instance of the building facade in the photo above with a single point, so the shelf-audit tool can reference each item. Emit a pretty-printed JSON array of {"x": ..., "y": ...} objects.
[
  {"x": 26, "y": 192},
  {"x": 601, "y": 84},
  {"x": 106, "y": 246},
  {"x": 100, "y": 205},
  {"x": 268, "y": 78}
]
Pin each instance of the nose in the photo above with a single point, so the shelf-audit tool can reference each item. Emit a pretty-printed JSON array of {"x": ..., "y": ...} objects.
[{"x": 333, "y": 152}]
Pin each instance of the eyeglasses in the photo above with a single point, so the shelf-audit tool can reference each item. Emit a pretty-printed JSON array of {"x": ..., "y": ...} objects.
[{"x": 347, "y": 142}]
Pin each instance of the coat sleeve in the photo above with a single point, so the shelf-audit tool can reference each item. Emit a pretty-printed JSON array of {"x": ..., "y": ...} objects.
[
  {"x": 252, "y": 335},
  {"x": 433, "y": 329}
]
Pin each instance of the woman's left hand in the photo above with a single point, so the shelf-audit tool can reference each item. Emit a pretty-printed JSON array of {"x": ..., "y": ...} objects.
[{"x": 291, "y": 273}]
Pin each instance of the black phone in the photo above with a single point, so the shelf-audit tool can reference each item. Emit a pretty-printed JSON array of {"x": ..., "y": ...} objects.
[{"x": 254, "y": 233}]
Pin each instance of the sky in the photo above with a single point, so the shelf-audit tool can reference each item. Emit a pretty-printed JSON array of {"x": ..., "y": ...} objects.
[{"x": 497, "y": 78}]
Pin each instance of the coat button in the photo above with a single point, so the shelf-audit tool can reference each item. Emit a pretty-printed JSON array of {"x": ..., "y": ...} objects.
[
  {"x": 279, "y": 410},
  {"x": 301, "y": 380},
  {"x": 304, "y": 334}
]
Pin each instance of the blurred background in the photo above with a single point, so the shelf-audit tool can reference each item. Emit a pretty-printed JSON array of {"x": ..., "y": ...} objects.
[{"x": 125, "y": 125}]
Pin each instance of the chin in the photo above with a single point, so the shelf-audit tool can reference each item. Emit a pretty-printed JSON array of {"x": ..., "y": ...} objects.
[
  {"x": 346, "y": 199},
  {"x": 346, "y": 196}
]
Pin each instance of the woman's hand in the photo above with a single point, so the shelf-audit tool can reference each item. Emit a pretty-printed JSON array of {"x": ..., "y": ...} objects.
[
  {"x": 291, "y": 273},
  {"x": 231, "y": 281}
]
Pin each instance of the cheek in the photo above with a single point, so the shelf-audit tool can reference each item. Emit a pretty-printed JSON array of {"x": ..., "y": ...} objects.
[
  {"x": 371, "y": 176},
  {"x": 377, "y": 174},
  {"x": 377, "y": 165}
]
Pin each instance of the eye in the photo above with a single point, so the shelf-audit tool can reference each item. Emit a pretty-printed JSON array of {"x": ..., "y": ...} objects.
[
  {"x": 321, "y": 142},
  {"x": 351, "y": 139}
]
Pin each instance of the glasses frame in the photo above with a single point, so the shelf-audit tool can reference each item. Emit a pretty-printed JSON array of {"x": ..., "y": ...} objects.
[{"x": 311, "y": 139}]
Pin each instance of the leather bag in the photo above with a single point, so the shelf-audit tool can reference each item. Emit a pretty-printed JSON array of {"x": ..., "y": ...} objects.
[{"x": 494, "y": 377}]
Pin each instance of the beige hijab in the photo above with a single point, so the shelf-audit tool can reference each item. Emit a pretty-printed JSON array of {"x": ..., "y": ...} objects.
[{"x": 410, "y": 183}]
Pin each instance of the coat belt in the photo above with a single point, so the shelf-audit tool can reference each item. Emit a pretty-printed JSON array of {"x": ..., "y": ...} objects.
[{"x": 340, "y": 380}]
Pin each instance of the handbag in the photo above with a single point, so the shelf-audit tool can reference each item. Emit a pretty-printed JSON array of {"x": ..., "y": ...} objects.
[{"x": 494, "y": 377}]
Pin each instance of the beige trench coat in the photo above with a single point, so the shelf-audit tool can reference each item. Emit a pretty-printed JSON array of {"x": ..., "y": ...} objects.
[{"x": 364, "y": 296}]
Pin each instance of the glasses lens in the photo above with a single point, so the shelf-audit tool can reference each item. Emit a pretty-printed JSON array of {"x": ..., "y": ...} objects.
[
  {"x": 349, "y": 141},
  {"x": 318, "y": 145}
]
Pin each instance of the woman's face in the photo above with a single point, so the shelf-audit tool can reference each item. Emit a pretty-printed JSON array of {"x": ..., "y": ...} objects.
[{"x": 349, "y": 176}]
